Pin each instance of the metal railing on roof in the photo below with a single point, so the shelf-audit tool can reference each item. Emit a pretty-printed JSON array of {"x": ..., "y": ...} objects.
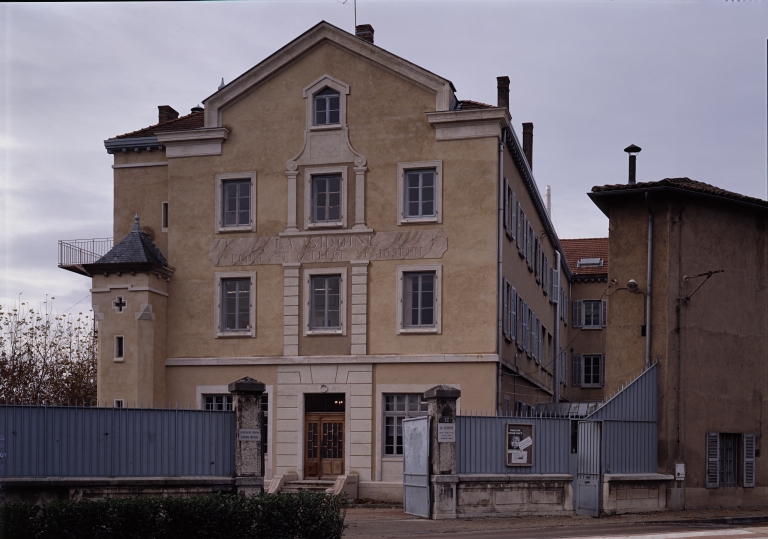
[{"x": 75, "y": 253}]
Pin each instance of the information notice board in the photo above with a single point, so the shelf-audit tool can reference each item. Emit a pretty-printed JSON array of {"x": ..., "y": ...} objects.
[{"x": 519, "y": 446}]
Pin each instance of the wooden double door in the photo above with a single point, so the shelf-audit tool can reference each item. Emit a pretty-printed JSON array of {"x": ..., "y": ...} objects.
[{"x": 324, "y": 446}]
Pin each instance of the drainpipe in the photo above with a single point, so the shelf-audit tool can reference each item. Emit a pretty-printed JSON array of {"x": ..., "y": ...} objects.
[
  {"x": 648, "y": 286},
  {"x": 500, "y": 288},
  {"x": 557, "y": 329}
]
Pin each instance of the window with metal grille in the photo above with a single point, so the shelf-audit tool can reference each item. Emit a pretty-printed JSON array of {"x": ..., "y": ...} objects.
[
  {"x": 397, "y": 408},
  {"x": 326, "y": 302},
  {"x": 236, "y": 304},
  {"x": 728, "y": 459},
  {"x": 419, "y": 193},
  {"x": 236, "y": 203},
  {"x": 419, "y": 299},
  {"x": 326, "y": 198},
  {"x": 327, "y": 107}
]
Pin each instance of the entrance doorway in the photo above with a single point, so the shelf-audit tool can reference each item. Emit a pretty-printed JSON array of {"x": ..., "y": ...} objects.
[{"x": 324, "y": 435}]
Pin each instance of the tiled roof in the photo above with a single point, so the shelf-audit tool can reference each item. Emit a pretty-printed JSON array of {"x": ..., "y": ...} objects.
[
  {"x": 467, "y": 104},
  {"x": 183, "y": 123},
  {"x": 577, "y": 249},
  {"x": 682, "y": 183},
  {"x": 136, "y": 248}
]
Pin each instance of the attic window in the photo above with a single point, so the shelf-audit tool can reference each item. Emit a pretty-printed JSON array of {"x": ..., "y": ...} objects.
[
  {"x": 590, "y": 263},
  {"x": 327, "y": 107}
]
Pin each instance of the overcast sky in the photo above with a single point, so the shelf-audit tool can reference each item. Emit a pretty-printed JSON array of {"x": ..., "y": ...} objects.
[{"x": 686, "y": 81}]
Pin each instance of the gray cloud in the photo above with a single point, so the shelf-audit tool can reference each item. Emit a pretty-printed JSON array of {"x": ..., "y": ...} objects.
[{"x": 685, "y": 81}]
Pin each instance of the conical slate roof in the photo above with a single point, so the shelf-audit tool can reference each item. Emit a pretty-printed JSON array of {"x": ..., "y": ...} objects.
[{"x": 136, "y": 248}]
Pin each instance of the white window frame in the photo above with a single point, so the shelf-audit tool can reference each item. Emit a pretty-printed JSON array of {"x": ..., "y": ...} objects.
[
  {"x": 399, "y": 283},
  {"x": 580, "y": 313},
  {"x": 406, "y": 414},
  {"x": 220, "y": 179},
  {"x": 118, "y": 403},
  {"x": 324, "y": 171},
  {"x": 121, "y": 358},
  {"x": 307, "y": 279},
  {"x": 326, "y": 81},
  {"x": 402, "y": 168},
  {"x": 218, "y": 278},
  {"x": 601, "y": 375}
]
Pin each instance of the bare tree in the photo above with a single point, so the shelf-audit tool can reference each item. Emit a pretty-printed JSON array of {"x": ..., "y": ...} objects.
[{"x": 46, "y": 357}]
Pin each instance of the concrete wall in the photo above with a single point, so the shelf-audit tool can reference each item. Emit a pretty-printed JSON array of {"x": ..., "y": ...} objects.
[
  {"x": 513, "y": 495},
  {"x": 635, "y": 493}
]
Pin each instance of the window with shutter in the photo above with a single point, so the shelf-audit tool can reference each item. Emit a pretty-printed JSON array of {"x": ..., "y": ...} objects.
[
  {"x": 749, "y": 460},
  {"x": 578, "y": 313},
  {"x": 576, "y": 370},
  {"x": 545, "y": 277},
  {"x": 564, "y": 359},
  {"x": 524, "y": 325},
  {"x": 505, "y": 310},
  {"x": 564, "y": 308},
  {"x": 555, "y": 297},
  {"x": 519, "y": 224},
  {"x": 713, "y": 460},
  {"x": 513, "y": 215}
]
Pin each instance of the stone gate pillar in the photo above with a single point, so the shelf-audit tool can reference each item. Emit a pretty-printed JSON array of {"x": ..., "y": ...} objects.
[
  {"x": 249, "y": 475},
  {"x": 442, "y": 409}
]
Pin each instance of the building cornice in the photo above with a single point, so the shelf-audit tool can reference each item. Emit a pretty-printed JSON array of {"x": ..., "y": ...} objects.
[
  {"x": 319, "y": 360},
  {"x": 193, "y": 143},
  {"x": 470, "y": 123},
  {"x": 137, "y": 144}
]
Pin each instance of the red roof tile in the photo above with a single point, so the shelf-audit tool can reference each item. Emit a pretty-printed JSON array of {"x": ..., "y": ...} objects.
[
  {"x": 576, "y": 249},
  {"x": 467, "y": 105},
  {"x": 183, "y": 123},
  {"x": 686, "y": 184}
]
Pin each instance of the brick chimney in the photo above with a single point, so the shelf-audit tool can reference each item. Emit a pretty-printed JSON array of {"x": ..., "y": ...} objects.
[
  {"x": 502, "y": 84},
  {"x": 528, "y": 143},
  {"x": 166, "y": 113},
  {"x": 364, "y": 32}
]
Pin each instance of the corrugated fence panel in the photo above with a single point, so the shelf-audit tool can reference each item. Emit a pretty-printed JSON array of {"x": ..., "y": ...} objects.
[
  {"x": 636, "y": 402},
  {"x": 630, "y": 446},
  {"x": 481, "y": 445},
  {"x": 54, "y": 441}
]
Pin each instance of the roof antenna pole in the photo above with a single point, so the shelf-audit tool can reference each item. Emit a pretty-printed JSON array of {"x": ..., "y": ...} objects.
[{"x": 355, "y": 7}]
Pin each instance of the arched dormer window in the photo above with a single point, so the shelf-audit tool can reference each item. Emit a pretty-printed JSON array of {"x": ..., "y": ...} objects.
[{"x": 327, "y": 107}]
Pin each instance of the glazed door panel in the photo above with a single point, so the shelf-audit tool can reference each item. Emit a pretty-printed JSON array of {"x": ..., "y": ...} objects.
[{"x": 324, "y": 448}]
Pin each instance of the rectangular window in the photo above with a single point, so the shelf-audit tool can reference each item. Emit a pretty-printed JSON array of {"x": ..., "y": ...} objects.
[
  {"x": 217, "y": 402},
  {"x": 326, "y": 198},
  {"x": 236, "y": 304},
  {"x": 419, "y": 193},
  {"x": 728, "y": 450},
  {"x": 519, "y": 230},
  {"x": 236, "y": 200},
  {"x": 327, "y": 107},
  {"x": 589, "y": 314},
  {"x": 593, "y": 371},
  {"x": 326, "y": 302},
  {"x": 419, "y": 299},
  {"x": 165, "y": 216},
  {"x": 397, "y": 408},
  {"x": 118, "y": 403},
  {"x": 119, "y": 348}
]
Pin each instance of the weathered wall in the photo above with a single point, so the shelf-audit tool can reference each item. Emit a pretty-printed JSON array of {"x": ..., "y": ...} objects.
[{"x": 585, "y": 341}]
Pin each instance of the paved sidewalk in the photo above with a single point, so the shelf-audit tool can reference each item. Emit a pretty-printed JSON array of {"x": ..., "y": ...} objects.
[{"x": 392, "y": 522}]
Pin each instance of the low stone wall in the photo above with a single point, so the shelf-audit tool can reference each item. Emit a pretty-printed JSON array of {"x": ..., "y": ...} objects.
[
  {"x": 635, "y": 493},
  {"x": 513, "y": 495},
  {"x": 42, "y": 490},
  {"x": 381, "y": 490}
]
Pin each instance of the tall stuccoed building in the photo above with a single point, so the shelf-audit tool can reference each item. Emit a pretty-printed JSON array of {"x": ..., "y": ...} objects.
[{"x": 337, "y": 224}]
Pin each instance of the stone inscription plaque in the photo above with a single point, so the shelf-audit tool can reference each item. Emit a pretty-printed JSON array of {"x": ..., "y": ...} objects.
[{"x": 395, "y": 245}]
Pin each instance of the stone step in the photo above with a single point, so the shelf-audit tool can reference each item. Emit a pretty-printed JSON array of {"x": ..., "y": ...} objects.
[{"x": 308, "y": 485}]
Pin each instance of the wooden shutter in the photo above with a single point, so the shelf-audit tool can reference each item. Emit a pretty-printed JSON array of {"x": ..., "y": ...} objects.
[
  {"x": 602, "y": 370},
  {"x": 749, "y": 460},
  {"x": 524, "y": 325},
  {"x": 576, "y": 370},
  {"x": 518, "y": 237},
  {"x": 513, "y": 214},
  {"x": 564, "y": 308},
  {"x": 513, "y": 322},
  {"x": 506, "y": 205},
  {"x": 545, "y": 276},
  {"x": 565, "y": 366},
  {"x": 713, "y": 460},
  {"x": 578, "y": 313},
  {"x": 556, "y": 287},
  {"x": 604, "y": 313}
]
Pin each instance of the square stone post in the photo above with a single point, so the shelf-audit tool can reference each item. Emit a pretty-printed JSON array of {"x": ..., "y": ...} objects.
[
  {"x": 249, "y": 471},
  {"x": 444, "y": 480}
]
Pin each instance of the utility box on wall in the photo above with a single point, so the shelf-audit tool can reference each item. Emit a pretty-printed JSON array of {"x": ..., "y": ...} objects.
[{"x": 679, "y": 471}]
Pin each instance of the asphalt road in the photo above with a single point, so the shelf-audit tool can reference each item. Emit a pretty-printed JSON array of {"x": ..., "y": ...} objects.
[{"x": 392, "y": 523}]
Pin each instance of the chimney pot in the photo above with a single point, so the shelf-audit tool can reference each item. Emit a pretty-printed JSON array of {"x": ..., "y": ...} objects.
[
  {"x": 632, "y": 150},
  {"x": 502, "y": 85},
  {"x": 166, "y": 113},
  {"x": 364, "y": 32},
  {"x": 528, "y": 143}
]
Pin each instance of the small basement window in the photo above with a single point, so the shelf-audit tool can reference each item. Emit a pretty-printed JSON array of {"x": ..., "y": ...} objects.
[{"x": 590, "y": 263}]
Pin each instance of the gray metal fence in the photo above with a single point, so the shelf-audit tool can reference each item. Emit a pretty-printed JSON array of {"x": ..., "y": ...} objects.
[
  {"x": 480, "y": 445},
  {"x": 59, "y": 441}
]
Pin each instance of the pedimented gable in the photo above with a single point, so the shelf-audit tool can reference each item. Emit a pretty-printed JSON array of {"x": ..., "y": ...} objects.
[{"x": 319, "y": 34}]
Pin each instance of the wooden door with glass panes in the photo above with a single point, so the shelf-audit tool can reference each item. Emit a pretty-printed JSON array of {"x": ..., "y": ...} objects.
[{"x": 324, "y": 445}]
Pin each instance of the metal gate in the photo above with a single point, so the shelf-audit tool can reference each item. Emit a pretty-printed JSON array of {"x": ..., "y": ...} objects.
[
  {"x": 416, "y": 466},
  {"x": 588, "y": 480}
]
